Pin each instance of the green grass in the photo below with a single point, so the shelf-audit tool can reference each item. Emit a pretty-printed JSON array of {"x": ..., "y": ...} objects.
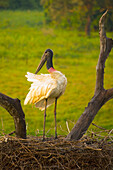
[{"x": 23, "y": 39}]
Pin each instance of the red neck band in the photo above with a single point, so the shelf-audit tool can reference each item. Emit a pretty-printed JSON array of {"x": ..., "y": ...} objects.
[{"x": 51, "y": 70}]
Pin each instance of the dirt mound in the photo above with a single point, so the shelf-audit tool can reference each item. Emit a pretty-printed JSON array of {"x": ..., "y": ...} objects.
[{"x": 33, "y": 153}]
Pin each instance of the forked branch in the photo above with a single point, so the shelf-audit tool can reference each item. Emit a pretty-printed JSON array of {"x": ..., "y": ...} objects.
[
  {"x": 106, "y": 45},
  {"x": 101, "y": 96}
]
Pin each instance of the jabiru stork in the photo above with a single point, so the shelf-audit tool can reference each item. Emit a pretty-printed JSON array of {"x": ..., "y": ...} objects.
[{"x": 46, "y": 88}]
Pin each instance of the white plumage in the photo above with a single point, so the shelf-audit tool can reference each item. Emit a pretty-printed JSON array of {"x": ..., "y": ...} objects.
[{"x": 45, "y": 86}]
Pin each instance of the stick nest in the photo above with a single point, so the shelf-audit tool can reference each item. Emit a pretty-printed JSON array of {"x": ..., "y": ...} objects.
[{"x": 88, "y": 153}]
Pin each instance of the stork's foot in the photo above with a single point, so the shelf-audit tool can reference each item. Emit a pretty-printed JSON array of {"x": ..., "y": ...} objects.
[
  {"x": 43, "y": 139},
  {"x": 56, "y": 136}
]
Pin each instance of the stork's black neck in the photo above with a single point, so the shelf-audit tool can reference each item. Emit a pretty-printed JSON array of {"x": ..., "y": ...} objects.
[{"x": 49, "y": 63}]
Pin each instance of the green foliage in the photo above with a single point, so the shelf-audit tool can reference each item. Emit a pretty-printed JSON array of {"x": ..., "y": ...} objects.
[
  {"x": 24, "y": 37},
  {"x": 80, "y": 14},
  {"x": 4, "y": 4},
  {"x": 20, "y": 4}
]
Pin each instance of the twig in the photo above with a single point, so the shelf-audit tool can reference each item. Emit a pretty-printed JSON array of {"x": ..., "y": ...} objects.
[
  {"x": 62, "y": 129},
  {"x": 2, "y": 125},
  {"x": 67, "y": 126},
  {"x": 88, "y": 147},
  {"x": 110, "y": 132},
  {"x": 99, "y": 126},
  {"x": 11, "y": 132}
]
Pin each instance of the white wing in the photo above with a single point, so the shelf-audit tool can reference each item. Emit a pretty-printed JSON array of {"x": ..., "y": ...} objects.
[{"x": 43, "y": 86}]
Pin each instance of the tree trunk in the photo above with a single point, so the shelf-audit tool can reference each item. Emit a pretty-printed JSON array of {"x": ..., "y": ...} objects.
[
  {"x": 14, "y": 108},
  {"x": 101, "y": 96},
  {"x": 88, "y": 25}
]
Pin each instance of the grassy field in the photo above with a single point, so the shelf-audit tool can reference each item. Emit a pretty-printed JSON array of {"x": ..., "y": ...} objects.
[{"x": 24, "y": 36}]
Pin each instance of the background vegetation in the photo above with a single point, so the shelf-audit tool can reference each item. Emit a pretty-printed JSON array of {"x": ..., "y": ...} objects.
[
  {"x": 80, "y": 14},
  {"x": 25, "y": 34}
]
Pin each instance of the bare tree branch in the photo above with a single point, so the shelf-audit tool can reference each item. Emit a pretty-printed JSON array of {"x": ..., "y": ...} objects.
[
  {"x": 106, "y": 45},
  {"x": 14, "y": 108},
  {"x": 109, "y": 94},
  {"x": 101, "y": 96}
]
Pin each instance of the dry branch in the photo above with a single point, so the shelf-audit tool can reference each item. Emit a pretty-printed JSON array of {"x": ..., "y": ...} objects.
[
  {"x": 101, "y": 95},
  {"x": 14, "y": 108}
]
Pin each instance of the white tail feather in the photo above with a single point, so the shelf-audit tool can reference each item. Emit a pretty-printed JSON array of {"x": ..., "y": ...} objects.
[{"x": 31, "y": 77}]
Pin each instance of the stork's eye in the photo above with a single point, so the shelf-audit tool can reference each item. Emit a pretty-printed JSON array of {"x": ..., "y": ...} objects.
[{"x": 45, "y": 52}]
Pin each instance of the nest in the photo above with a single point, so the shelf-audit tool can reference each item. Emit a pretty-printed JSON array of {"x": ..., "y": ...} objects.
[{"x": 88, "y": 153}]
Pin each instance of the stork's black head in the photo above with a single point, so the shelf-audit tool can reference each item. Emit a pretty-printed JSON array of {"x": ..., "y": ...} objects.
[
  {"x": 49, "y": 51},
  {"x": 47, "y": 56}
]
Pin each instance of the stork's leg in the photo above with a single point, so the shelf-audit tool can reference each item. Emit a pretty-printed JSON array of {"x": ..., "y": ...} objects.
[
  {"x": 55, "y": 118},
  {"x": 44, "y": 119}
]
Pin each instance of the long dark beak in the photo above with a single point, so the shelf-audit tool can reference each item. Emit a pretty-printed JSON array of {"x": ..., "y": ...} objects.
[{"x": 43, "y": 60}]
